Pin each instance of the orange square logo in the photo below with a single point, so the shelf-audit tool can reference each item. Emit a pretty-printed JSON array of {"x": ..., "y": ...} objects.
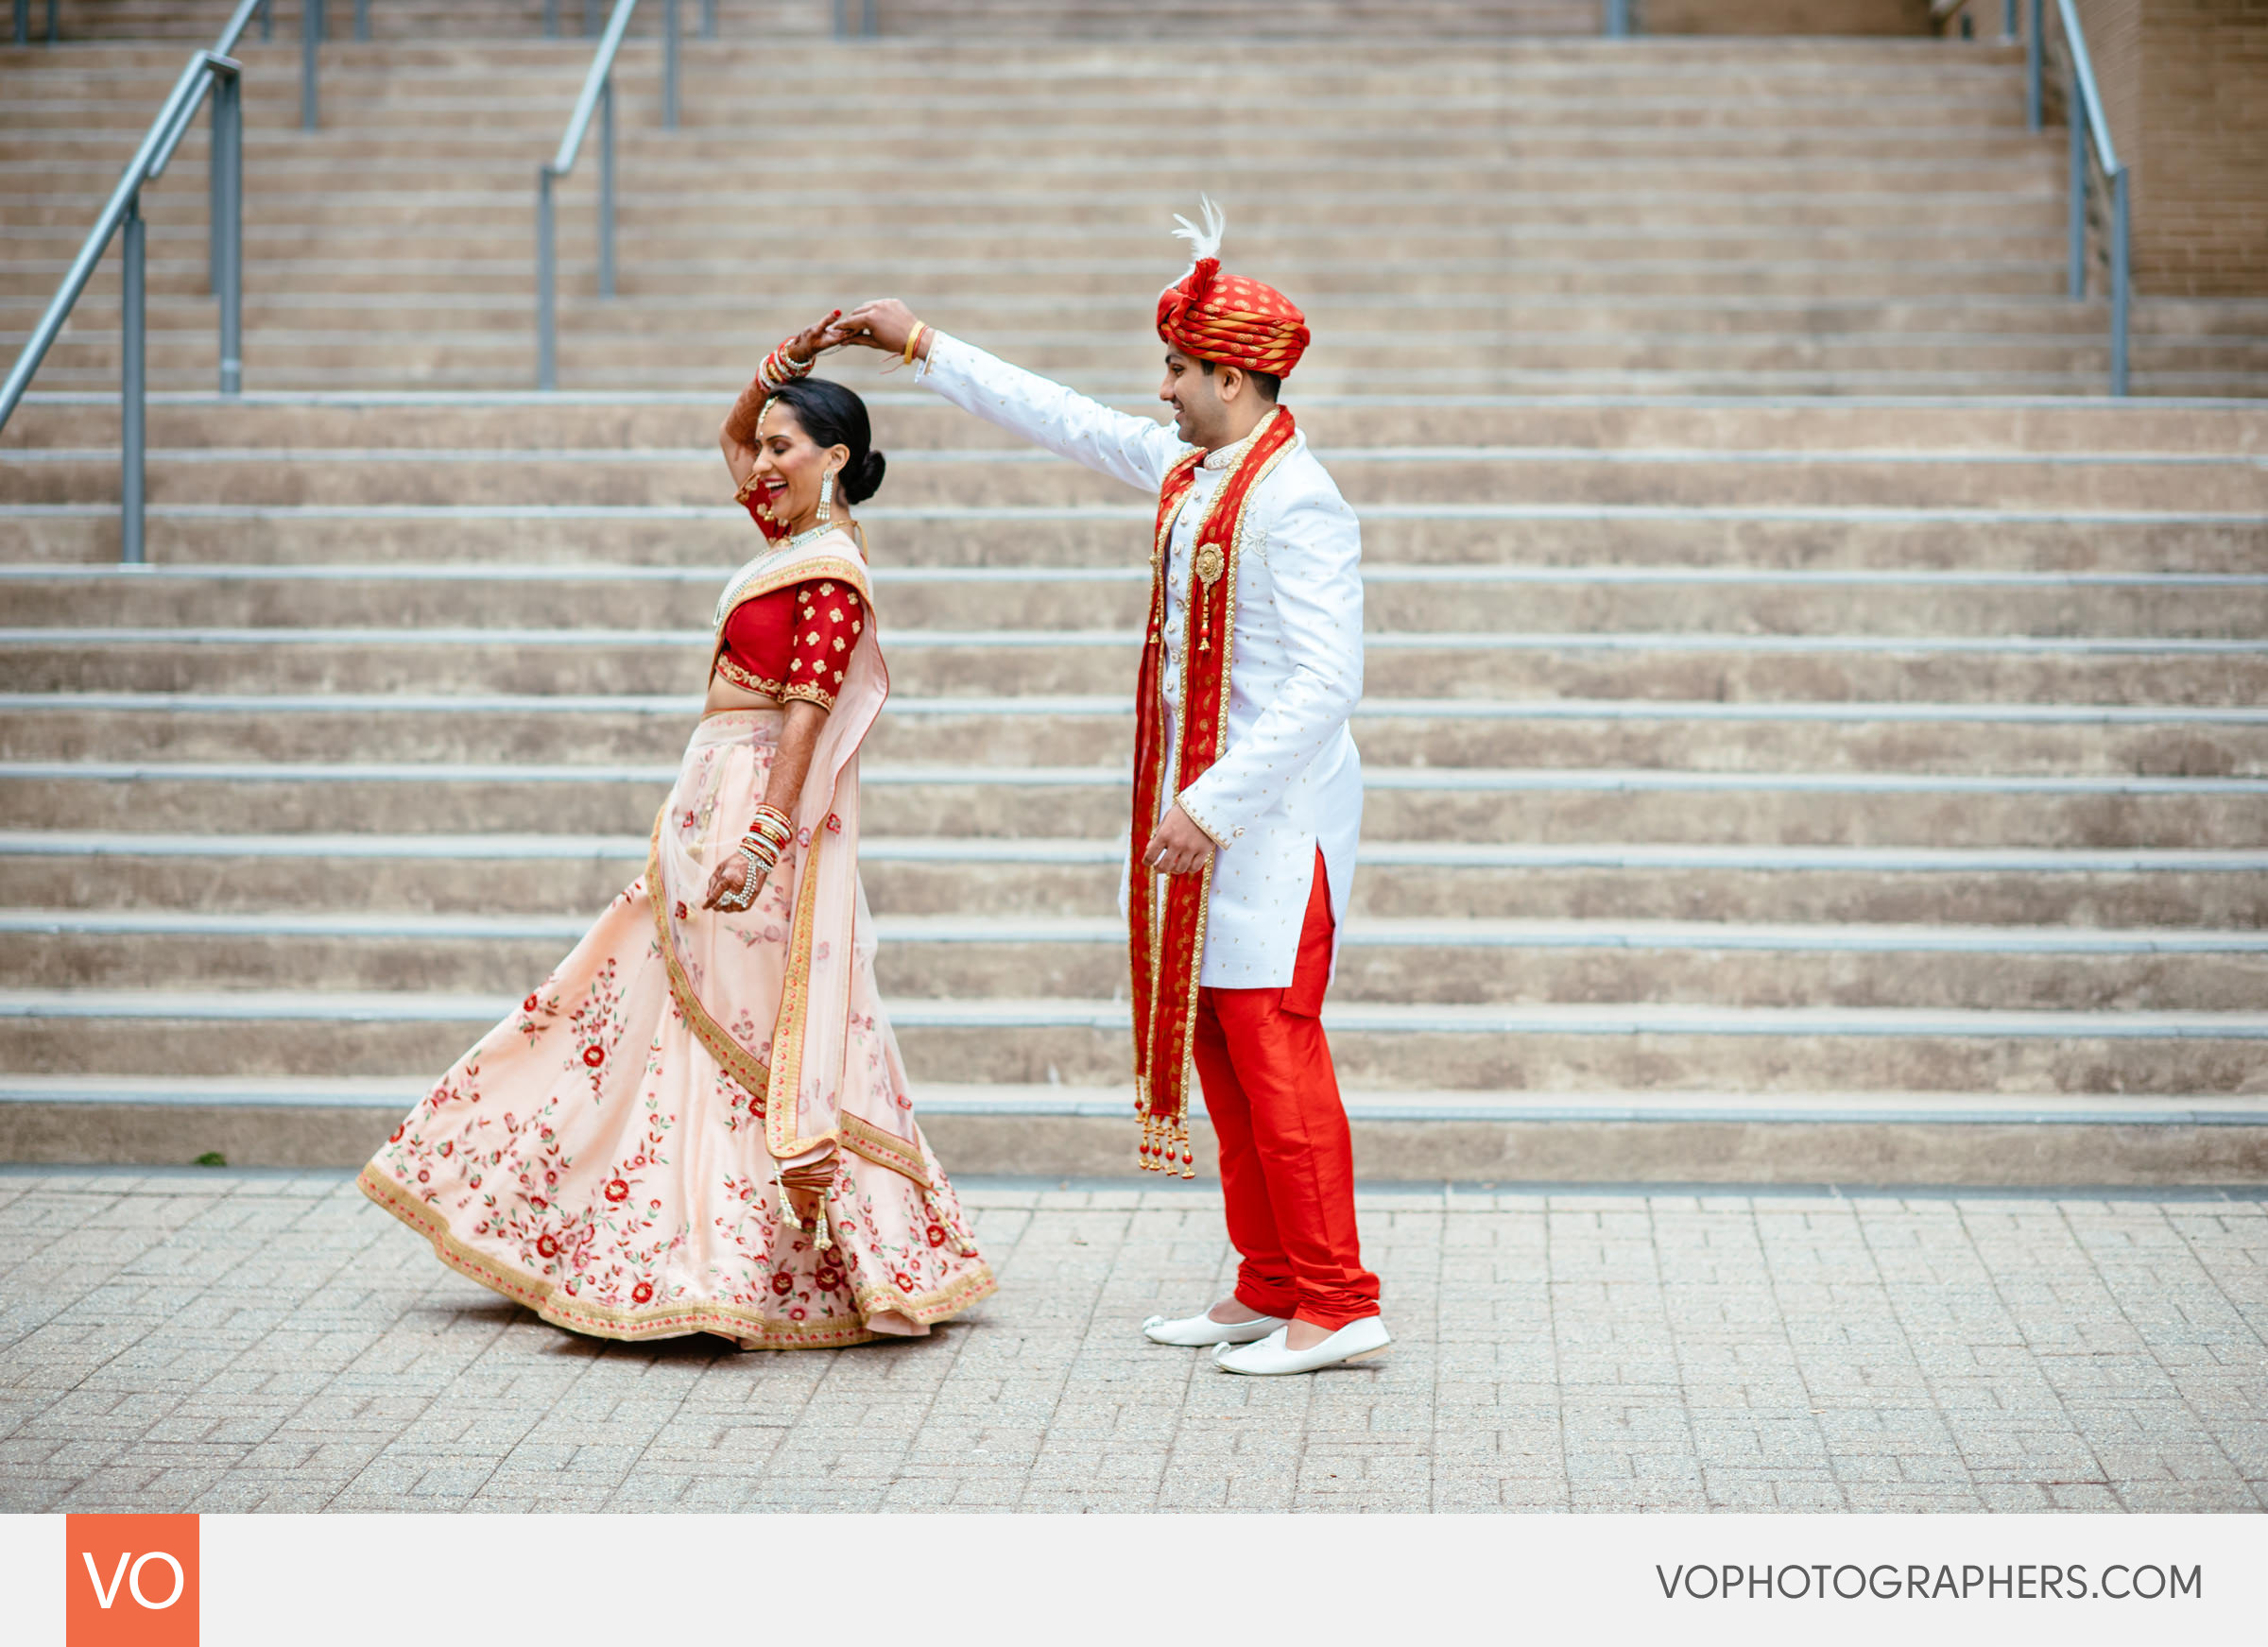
[{"x": 129, "y": 1581}]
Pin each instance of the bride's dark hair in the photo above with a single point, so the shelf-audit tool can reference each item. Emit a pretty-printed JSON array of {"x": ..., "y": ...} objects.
[{"x": 833, "y": 416}]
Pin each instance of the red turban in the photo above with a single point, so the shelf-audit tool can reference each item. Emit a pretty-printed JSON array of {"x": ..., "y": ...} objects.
[{"x": 1231, "y": 320}]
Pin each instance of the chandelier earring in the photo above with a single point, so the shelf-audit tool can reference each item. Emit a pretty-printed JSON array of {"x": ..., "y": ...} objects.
[{"x": 826, "y": 497}]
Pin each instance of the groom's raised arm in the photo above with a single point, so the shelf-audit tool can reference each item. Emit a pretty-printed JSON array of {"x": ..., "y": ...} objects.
[{"x": 1138, "y": 451}]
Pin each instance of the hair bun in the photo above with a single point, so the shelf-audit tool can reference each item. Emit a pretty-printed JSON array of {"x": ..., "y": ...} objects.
[{"x": 865, "y": 478}]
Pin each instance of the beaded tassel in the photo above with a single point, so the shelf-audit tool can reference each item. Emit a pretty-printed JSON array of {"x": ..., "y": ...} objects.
[{"x": 961, "y": 1244}]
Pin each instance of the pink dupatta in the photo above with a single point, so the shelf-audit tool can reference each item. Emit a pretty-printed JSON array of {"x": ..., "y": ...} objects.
[{"x": 789, "y": 1054}]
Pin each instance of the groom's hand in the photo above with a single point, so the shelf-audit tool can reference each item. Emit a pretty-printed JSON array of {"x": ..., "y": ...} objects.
[
  {"x": 1178, "y": 847},
  {"x": 884, "y": 324}
]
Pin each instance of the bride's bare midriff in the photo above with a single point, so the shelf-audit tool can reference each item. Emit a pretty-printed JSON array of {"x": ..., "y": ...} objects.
[{"x": 724, "y": 696}]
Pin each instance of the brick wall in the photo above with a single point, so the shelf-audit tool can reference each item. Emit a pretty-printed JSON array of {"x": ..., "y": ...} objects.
[
  {"x": 2185, "y": 88},
  {"x": 1783, "y": 16}
]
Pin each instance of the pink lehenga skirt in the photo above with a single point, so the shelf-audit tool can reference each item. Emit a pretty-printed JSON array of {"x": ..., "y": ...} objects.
[{"x": 592, "y": 1159}]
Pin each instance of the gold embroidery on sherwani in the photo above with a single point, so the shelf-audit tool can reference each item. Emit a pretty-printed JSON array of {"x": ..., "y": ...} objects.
[{"x": 1166, "y": 932}]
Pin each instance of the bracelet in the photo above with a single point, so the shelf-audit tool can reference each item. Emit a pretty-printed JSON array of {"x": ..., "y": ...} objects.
[
  {"x": 913, "y": 340},
  {"x": 781, "y": 367},
  {"x": 771, "y": 824},
  {"x": 758, "y": 868}
]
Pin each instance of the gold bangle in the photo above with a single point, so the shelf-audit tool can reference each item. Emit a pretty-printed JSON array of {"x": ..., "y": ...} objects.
[{"x": 913, "y": 340}]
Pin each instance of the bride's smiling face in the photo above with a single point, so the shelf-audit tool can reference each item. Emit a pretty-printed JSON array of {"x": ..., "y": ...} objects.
[{"x": 789, "y": 467}]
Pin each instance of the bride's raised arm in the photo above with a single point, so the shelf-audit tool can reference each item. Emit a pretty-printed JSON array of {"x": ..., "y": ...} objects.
[{"x": 737, "y": 437}]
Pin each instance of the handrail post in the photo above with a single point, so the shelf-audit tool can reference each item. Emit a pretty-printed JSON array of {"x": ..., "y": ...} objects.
[
  {"x": 311, "y": 36},
  {"x": 2033, "y": 50},
  {"x": 2007, "y": 19},
  {"x": 669, "y": 64},
  {"x": 53, "y": 6},
  {"x": 2075, "y": 283},
  {"x": 551, "y": 19},
  {"x": 1617, "y": 19},
  {"x": 708, "y": 19},
  {"x": 132, "y": 388},
  {"x": 869, "y": 20},
  {"x": 547, "y": 329},
  {"x": 362, "y": 19},
  {"x": 2119, "y": 280},
  {"x": 228, "y": 225},
  {"x": 595, "y": 99},
  {"x": 589, "y": 19},
  {"x": 606, "y": 188},
  {"x": 23, "y": 21},
  {"x": 268, "y": 19}
]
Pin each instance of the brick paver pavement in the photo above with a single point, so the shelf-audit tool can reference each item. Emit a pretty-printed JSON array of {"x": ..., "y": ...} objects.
[{"x": 221, "y": 1340}]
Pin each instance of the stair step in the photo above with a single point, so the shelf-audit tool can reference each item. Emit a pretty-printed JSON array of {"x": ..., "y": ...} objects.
[
  {"x": 1381, "y": 961},
  {"x": 1578, "y": 1046},
  {"x": 1975, "y": 738},
  {"x": 488, "y": 872}
]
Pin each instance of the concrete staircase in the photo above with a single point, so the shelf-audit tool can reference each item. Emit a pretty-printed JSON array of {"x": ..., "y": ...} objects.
[
  {"x": 1524, "y": 216},
  {"x": 1762, "y": 786}
]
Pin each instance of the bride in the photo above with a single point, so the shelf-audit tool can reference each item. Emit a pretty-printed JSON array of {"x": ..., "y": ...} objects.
[{"x": 699, "y": 1122}]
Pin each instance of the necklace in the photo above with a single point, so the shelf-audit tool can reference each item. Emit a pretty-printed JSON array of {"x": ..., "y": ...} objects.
[{"x": 769, "y": 557}]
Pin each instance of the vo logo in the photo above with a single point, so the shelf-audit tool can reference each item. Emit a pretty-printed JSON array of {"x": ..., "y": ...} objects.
[{"x": 131, "y": 1581}]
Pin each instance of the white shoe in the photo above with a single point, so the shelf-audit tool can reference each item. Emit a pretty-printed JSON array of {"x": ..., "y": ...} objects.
[
  {"x": 1197, "y": 1332},
  {"x": 1269, "y": 1356}
]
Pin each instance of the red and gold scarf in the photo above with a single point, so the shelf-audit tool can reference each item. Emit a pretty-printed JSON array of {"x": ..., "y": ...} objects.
[{"x": 1166, "y": 935}]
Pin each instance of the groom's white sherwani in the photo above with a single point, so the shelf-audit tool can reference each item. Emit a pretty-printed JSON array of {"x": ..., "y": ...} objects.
[{"x": 1290, "y": 779}]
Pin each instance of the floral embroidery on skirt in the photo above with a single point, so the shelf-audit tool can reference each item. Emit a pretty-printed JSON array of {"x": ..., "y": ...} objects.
[{"x": 591, "y": 1159}]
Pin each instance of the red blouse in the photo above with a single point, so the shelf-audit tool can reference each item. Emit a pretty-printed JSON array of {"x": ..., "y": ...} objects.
[{"x": 793, "y": 643}]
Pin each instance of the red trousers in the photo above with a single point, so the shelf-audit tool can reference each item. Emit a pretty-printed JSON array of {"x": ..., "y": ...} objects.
[{"x": 1287, "y": 1163}]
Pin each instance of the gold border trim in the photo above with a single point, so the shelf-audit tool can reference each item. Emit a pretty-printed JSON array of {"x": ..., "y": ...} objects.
[
  {"x": 728, "y": 666},
  {"x": 749, "y": 583},
  {"x": 884, "y": 1149},
  {"x": 795, "y": 1011},
  {"x": 749, "y": 1327},
  {"x": 716, "y": 1040}
]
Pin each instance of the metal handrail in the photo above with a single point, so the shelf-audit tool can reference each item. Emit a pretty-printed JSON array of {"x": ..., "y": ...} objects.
[
  {"x": 2090, "y": 125},
  {"x": 310, "y": 39},
  {"x": 2034, "y": 45},
  {"x": 597, "y": 97},
  {"x": 211, "y": 70},
  {"x": 24, "y": 22},
  {"x": 551, "y": 19}
]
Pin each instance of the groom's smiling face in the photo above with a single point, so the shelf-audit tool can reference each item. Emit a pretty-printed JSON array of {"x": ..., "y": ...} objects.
[{"x": 1201, "y": 415}]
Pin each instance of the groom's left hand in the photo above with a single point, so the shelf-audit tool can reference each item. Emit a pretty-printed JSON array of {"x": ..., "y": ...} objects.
[{"x": 1177, "y": 847}]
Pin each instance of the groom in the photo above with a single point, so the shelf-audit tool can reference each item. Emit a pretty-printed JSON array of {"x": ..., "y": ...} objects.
[{"x": 1247, "y": 791}]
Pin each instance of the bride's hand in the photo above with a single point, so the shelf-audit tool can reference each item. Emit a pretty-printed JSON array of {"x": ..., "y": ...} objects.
[
  {"x": 884, "y": 324},
  {"x": 816, "y": 338},
  {"x": 732, "y": 875}
]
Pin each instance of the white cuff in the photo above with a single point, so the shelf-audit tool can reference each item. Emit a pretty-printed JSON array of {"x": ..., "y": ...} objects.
[{"x": 1212, "y": 831}]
